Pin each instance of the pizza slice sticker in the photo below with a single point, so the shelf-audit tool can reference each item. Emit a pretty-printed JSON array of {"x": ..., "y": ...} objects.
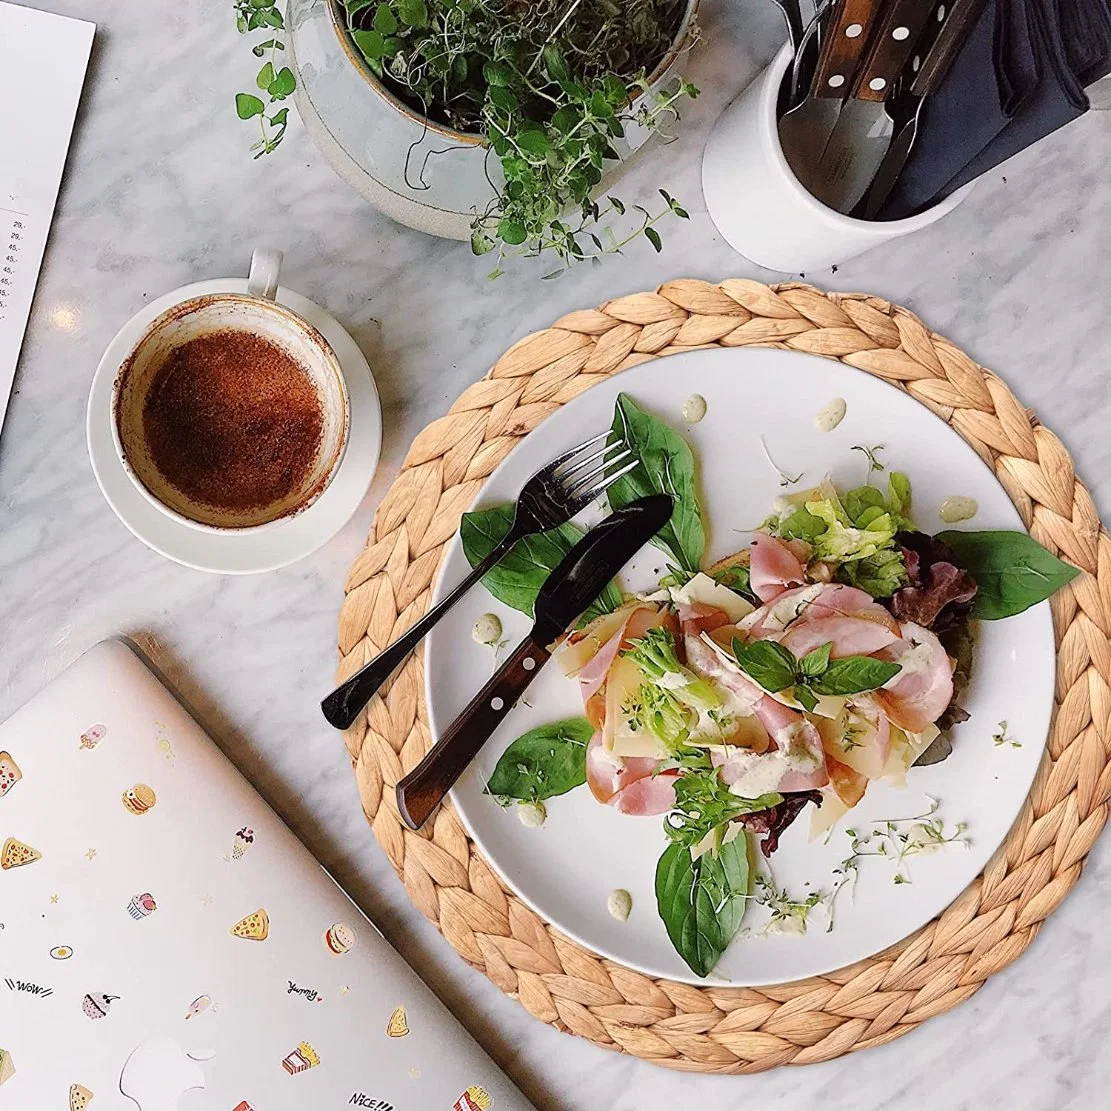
[
  {"x": 9, "y": 773},
  {"x": 398, "y": 1026},
  {"x": 15, "y": 853},
  {"x": 79, "y": 1097},
  {"x": 254, "y": 927}
]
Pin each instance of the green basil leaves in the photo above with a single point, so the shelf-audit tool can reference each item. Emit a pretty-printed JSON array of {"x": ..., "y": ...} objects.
[
  {"x": 543, "y": 762},
  {"x": 1012, "y": 570},
  {"x": 702, "y": 902}
]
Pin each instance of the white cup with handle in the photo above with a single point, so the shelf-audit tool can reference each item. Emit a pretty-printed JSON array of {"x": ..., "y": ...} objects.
[{"x": 760, "y": 207}]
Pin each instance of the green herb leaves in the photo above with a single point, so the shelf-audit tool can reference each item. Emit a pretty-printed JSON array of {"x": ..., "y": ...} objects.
[
  {"x": 667, "y": 467},
  {"x": 517, "y": 579},
  {"x": 275, "y": 80},
  {"x": 775, "y": 668},
  {"x": 702, "y": 902},
  {"x": 1012, "y": 570},
  {"x": 543, "y": 762}
]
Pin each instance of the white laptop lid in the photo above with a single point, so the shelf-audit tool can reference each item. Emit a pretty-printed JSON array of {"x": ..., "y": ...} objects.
[{"x": 166, "y": 941}]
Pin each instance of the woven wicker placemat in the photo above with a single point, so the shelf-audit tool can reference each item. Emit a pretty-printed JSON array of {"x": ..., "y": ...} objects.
[{"x": 719, "y": 1029}]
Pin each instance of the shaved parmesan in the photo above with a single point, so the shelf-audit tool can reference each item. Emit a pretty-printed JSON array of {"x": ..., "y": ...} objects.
[{"x": 701, "y": 588}]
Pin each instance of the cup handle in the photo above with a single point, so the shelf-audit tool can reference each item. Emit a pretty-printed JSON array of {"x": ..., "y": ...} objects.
[{"x": 262, "y": 281}]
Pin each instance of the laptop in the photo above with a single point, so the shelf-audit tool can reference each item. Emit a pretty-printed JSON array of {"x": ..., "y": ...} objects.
[{"x": 166, "y": 942}]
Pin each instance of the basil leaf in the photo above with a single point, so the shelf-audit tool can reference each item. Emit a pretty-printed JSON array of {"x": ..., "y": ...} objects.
[
  {"x": 517, "y": 579},
  {"x": 854, "y": 674},
  {"x": 816, "y": 662},
  {"x": 666, "y": 465},
  {"x": 543, "y": 762},
  {"x": 769, "y": 664},
  {"x": 702, "y": 902},
  {"x": 1012, "y": 570},
  {"x": 805, "y": 697}
]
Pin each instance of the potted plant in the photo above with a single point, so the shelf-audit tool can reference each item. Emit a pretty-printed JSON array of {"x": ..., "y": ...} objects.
[{"x": 501, "y": 121}]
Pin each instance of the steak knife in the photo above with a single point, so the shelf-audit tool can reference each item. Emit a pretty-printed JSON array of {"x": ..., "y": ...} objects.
[
  {"x": 864, "y": 127},
  {"x": 578, "y": 579}
]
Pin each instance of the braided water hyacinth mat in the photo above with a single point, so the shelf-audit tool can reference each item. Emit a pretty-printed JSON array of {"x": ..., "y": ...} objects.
[{"x": 732, "y": 1029}]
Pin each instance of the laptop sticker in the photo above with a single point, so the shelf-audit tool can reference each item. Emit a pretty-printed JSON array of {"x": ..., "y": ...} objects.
[
  {"x": 7, "y": 1067},
  {"x": 96, "y": 1004},
  {"x": 139, "y": 799},
  {"x": 302, "y": 1058},
  {"x": 199, "y": 1005},
  {"x": 339, "y": 938},
  {"x": 61, "y": 952},
  {"x": 254, "y": 927},
  {"x": 398, "y": 1026},
  {"x": 93, "y": 736},
  {"x": 10, "y": 774},
  {"x": 79, "y": 1097},
  {"x": 243, "y": 840},
  {"x": 141, "y": 905},
  {"x": 15, "y": 853},
  {"x": 473, "y": 1099}
]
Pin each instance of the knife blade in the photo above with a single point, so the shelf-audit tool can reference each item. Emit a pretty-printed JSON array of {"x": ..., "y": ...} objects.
[
  {"x": 837, "y": 35},
  {"x": 577, "y": 580},
  {"x": 937, "y": 48},
  {"x": 864, "y": 127}
]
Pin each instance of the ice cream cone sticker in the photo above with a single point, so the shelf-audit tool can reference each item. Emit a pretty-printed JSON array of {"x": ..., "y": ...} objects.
[
  {"x": 397, "y": 1027},
  {"x": 244, "y": 839},
  {"x": 255, "y": 927},
  {"x": 302, "y": 1058},
  {"x": 473, "y": 1099}
]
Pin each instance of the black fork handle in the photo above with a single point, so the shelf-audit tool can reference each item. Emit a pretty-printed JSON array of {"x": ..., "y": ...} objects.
[{"x": 346, "y": 702}]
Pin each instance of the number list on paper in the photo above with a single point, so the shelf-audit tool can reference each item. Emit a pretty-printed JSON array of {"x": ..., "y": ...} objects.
[{"x": 45, "y": 57}]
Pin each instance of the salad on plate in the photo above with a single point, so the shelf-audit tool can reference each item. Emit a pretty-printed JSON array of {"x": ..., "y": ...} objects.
[{"x": 732, "y": 698}]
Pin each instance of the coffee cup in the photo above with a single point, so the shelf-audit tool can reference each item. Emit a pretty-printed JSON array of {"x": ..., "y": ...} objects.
[{"x": 230, "y": 413}]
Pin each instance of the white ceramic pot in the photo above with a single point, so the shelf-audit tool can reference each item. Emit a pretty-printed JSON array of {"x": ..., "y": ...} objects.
[
  {"x": 418, "y": 172},
  {"x": 761, "y": 208}
]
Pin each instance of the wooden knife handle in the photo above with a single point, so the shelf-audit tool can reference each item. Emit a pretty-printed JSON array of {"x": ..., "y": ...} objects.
[
  {"x": 893, "y": 46},
  {"x": 844, "y": 46},
  {"x": 424, "y": 788},
  {"x": 941, "y": 42}
]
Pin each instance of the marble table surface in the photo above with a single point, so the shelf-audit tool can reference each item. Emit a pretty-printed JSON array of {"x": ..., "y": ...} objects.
[{"x": 160, "y": 190}]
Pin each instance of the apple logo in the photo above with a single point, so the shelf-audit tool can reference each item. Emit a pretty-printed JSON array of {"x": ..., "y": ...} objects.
[{"x": 158, "y": 1072}]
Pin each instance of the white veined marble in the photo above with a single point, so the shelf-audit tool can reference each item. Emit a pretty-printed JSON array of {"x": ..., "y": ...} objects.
[{"x": 160, "y": 190}]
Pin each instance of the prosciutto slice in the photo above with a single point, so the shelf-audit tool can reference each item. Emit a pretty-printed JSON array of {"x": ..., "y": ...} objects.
[
  {"x": 919, "y": 693},
  {"x": 630, "y": 784},
  {"x": 773, "y": 568},
  {"x": 849, "y": 636},
  {"x": 636, "y": 624}
]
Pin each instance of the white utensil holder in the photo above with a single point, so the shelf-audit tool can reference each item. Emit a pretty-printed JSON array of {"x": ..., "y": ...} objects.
[{"x": 760, "y": 207}]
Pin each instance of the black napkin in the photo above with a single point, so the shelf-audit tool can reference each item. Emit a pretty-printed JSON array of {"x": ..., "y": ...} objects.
[{"x": 990, "y": 80}]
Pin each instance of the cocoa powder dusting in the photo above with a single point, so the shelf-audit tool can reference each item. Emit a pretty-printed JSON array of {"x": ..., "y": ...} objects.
[{"x": 233, "y": 421}]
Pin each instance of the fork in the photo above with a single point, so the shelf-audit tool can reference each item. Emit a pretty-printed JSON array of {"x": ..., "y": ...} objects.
[{"x": 553, "y": 495}]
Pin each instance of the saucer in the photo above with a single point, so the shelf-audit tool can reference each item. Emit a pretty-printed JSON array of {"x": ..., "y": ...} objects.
[{"x": 232, "y": 553}]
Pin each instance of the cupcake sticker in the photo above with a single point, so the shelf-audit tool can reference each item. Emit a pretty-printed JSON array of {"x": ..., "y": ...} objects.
[
  {"x": 97, "y": 1003},
  {"x": 9, "y": 773},
  {"x": 304, "y": 1057},
  {"x": 141, "y": 905},
  {"x": 92, "y": 736},
  {"x": 339, "y": 938},
  {"x": 243, "y": 840},
  {"x": 473, "y": 1099},
  {"x": 139, "y": 799}
]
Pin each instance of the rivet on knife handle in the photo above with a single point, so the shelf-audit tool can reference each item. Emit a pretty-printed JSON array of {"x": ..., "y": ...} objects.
[
  {"x": 892, "y": 47},
  {"x": 941, "y": 42},
  {"x": 844, "y": 47}
]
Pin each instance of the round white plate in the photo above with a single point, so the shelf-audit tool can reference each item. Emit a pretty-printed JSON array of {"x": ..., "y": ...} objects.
[
  {"x": 239, "y": 553},
  {"x": 566, "y": 869}
]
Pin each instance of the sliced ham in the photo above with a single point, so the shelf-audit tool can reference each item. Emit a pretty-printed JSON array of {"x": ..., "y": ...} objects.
[
  {"x": 849, "y": 786},
  {"x": 629, "y": 784},
  {"x": 773, "y": 568},
  {"x": 917, "y": 695},
  {"x": 859, "y": 737},
  {"x": 849, "y": 636},
  {"x": 797, "y": 763},
  {"x": 818, "y": 601},
  {"x": 700, "y": 617},
  {"x": 637, "y": 622}
]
